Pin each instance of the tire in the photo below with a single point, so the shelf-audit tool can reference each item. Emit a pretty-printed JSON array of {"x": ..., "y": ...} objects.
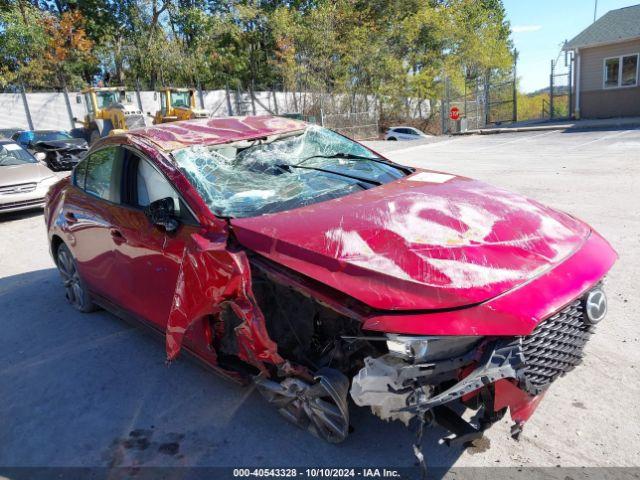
[
  {"x": 392, "y": 139},
  {"x": 75, "y": 290}
]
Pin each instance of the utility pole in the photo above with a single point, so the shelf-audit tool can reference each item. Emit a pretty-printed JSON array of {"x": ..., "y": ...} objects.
[
  {"x": 551, "y": 91},
  {"x": 595, "y": 11},
  {"x": 515, "y": 85}
]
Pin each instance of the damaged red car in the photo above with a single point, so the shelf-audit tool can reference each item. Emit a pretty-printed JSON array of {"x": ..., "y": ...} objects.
[{"x": 290, "y": 256}]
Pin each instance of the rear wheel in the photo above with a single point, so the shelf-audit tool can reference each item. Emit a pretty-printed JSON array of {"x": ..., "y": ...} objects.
[
  {"x": 392, "y": 139},
  {"x": 75, "y": 291}
]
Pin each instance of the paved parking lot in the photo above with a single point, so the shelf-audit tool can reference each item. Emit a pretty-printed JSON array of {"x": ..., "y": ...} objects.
[{"x": 87, "y": 390}]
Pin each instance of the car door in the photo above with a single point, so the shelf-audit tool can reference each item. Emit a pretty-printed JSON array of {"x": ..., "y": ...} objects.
[
  {"x": 88, "y": 215},
  {"x": 409, "y": 134},
  {"x": 413, "y": 133},
  {"x": 402, "y": 134},
  {"x": 147, "y": 259}
]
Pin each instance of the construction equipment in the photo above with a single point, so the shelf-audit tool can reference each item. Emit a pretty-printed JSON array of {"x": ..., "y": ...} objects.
[
  {"x": 109, "y": 109},
  {"x": 177, "y": 104}
]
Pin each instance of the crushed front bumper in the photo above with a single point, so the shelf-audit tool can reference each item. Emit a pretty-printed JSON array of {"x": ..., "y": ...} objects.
[{"x": 500, "y": 373}]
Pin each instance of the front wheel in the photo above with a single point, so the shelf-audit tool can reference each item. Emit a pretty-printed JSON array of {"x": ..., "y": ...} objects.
[{"x": 75, "y": 291}]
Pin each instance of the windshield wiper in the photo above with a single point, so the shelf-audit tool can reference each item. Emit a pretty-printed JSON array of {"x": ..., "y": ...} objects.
[
  {"x": 350, "y": 156},
  {"x": 340, "y": 174},
  {"x": 344, "y": 155}
]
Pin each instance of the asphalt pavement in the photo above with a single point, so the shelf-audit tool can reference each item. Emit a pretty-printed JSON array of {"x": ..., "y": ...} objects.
[{"x": 91, "y": 390}]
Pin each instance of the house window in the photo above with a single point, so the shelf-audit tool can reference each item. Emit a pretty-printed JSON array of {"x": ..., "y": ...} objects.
[
  {"x": 629, "y": 70},
  {"x": 621, "y": 71}
]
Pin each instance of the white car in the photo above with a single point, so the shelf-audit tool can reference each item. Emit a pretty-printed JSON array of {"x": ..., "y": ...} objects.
[
  {"x": 404, "y": 133},
  {"x": 24, "y": 179}
]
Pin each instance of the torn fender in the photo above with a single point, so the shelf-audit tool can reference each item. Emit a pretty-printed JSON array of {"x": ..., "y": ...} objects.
[{"x": 211, "y": 276}]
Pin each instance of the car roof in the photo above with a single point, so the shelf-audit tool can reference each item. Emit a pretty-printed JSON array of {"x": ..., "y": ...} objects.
[
  {"x": 402, "y": 126},
  {"x": 213, "y": 131}
]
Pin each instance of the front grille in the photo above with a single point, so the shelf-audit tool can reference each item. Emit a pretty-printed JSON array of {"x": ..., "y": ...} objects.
[
  {"x": 555, "y": 347},
  {"x": 25, "y": 203},
  {"x": 18, "y": 188}
]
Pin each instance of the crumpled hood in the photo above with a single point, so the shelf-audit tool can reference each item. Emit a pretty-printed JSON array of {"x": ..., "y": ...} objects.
[
  {"x": 428, "y": 241},
  {"x": 69, "y": 144}
]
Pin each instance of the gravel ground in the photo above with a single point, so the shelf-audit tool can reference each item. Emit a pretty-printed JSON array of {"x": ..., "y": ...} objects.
[{"x": 90, "y": 390}]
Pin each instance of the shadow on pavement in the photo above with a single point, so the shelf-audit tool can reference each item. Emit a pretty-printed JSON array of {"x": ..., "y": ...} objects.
[
  {"x": 90, "y": 390},
  {"x": 20, "y": 215}
]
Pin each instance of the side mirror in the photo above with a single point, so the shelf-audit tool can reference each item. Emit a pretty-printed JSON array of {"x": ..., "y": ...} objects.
[
  {"x": 162, "y": 213},
  {"x": 40, "y": 156}
]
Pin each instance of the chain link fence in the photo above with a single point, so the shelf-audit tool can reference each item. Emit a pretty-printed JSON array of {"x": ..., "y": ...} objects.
[
  {"x": 481, "y": 100},
  {"x": 560, "y": 89}
]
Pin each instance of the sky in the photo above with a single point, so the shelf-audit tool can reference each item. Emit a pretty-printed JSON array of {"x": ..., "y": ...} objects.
[{"x": 540, "y": 27}]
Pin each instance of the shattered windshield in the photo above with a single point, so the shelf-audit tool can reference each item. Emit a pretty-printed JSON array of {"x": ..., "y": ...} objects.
[
  {"x": 12, "y": 154},
  {"x": 250, "y": 178}
]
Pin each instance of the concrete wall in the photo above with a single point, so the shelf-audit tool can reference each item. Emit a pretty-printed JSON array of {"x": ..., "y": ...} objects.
[
  {"x": 49, "y": 110},
  {"x": 595, "y": 100}
]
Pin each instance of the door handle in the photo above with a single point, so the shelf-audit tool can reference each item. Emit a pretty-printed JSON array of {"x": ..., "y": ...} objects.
[
  {"x": 117, "y": 236},
  {"x": 70, "y": 217}
]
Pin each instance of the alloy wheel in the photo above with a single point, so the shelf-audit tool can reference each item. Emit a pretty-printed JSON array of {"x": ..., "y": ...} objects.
[{"x": 70, "y": 279}]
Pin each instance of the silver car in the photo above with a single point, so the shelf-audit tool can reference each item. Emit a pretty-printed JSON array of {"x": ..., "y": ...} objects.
[
  {"x": 24, "y": 181},
  {"x": 404, "y": 133}
]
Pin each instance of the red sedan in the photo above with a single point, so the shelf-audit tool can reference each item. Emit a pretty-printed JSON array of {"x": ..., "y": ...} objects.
[{"x": 287, "y": 255}]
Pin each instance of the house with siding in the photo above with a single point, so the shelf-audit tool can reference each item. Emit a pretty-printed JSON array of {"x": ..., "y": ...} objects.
[{"x": 606, "y": 72}]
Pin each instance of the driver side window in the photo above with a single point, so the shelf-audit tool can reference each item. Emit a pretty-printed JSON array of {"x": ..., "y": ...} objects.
[
  {"x": 151, "y": 186},
  {"x": 147, "y": 184}
]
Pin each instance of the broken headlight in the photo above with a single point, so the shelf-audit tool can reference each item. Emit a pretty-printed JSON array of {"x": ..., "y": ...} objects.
[{"x": 420, "y": 349}]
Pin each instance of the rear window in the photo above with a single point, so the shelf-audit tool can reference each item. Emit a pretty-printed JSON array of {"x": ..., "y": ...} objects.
[
  {"x": 104, "y": 168},
  {"x": 50, "y": 136},
  {"x": 79, "y": 174}
]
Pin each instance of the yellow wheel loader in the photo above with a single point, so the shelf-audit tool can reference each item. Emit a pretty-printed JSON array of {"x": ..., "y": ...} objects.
[
  {"x": 110, "y": 109},
  {"x": 177, "y": 104}
]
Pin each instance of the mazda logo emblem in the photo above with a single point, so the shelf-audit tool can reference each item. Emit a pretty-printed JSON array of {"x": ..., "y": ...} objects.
[{"x": 596, "y": 306}]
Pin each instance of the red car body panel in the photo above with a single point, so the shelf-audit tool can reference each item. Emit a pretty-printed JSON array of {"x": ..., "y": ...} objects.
[
  {"x": 213, "y": 131},
  {"x": 211, "y": 275},
  {"x": 518, "y": 311},
  {"x": 418, "y": 245},
  {"x": 429, "y": 254}
]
